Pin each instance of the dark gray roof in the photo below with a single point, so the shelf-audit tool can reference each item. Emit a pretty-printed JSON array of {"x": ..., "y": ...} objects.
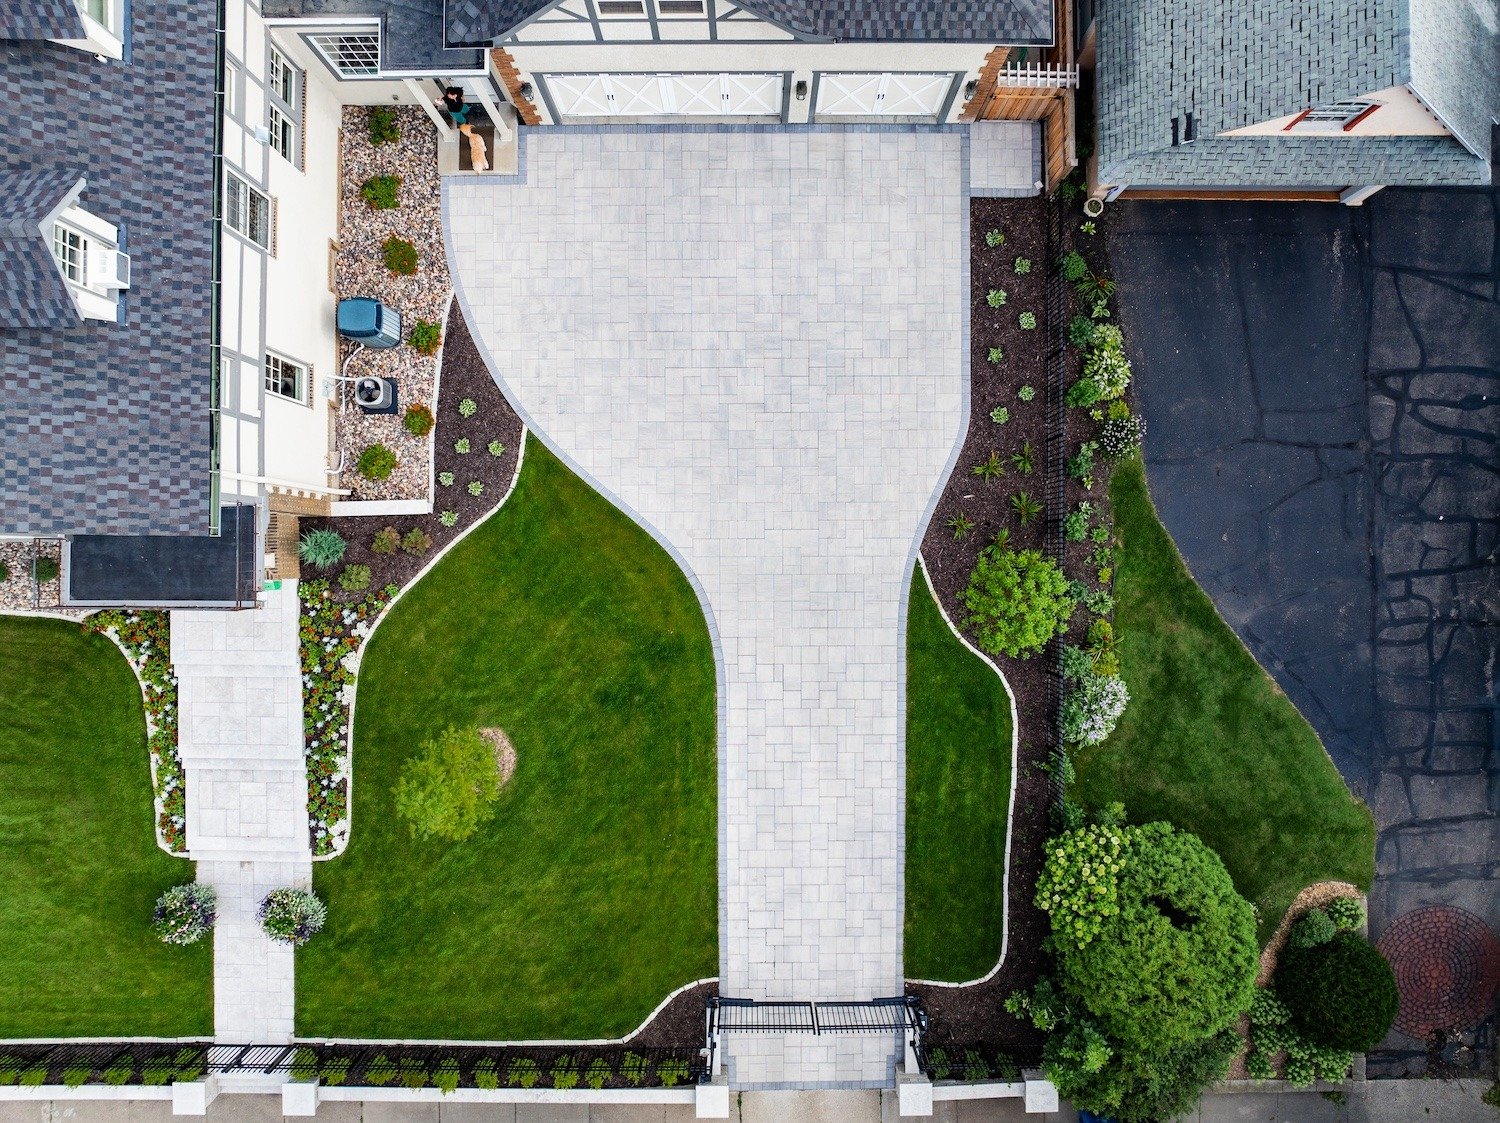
[
  {"x": 1233, "y": 65},
  {"x": 1455, "y": 66},
  {"x": 985, "y": 21},
  {"x": 105, "y": 427},
  {"x": 32, "y": 292},
  {"x": 411, "y": 35},
  {"x": 40, "y": 19}
]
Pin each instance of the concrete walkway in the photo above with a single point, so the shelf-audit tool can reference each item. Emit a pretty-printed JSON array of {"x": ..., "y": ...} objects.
[
  {"x": 240, "y": 738},
  {"x": 753, "y": 340}
]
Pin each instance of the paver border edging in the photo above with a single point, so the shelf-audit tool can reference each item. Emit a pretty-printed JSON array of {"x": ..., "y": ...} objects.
[
  {"x": 1015, "y": 741},
  {"x": 384, "y": 612}
]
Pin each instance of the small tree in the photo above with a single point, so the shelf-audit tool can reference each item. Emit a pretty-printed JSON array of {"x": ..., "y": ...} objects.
[
  {"x": 1017, "y": 601},
  {"x": 449, "y": 790}
]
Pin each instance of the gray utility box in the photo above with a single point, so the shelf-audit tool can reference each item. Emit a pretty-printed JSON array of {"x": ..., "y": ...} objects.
[{"x": 369, "y": 322}]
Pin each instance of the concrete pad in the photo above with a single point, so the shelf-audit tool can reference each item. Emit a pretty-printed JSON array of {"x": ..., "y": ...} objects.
[
  {"x": 477, "y": 1113},
  {"x": 552, "y": 1113},
  {"x": 376, "y": 1111},
  {"x": 862, "y": 1106},
  {"x": 234, "y": 1108}
]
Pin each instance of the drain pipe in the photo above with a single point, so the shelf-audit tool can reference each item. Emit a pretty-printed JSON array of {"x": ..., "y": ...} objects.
[{"x": 216, "y": 283}]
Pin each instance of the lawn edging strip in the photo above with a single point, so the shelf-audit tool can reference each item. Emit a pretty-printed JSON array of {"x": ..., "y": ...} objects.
[{"x": 1015, "y": 740}]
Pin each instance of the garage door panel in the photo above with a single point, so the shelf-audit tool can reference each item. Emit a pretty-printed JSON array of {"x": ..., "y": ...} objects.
[
  {"x": 882, "y": 95},
  {"x": 636, "y": 95},
  {"x": 666, "y": 95},
  {"x": 580, "y": 95}
]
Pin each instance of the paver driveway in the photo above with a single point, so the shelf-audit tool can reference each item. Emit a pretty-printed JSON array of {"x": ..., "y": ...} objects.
[{"x": 753, "y": 339}]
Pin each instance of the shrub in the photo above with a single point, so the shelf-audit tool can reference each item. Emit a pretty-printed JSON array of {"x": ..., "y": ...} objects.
[
  {"x": 418, "y": 420},
  {"x": 446, "y": 478},
  {"x": 377, "y": 462},
  {"x": 416, "y": 541},
  {"x": 448, "y": 518},
  {"x": 304, "y": 1063},
  {"x": 1110, "y": 369},
  {"x": 185, "y": 913},
  {"x": 997, "y": 354},
  {"x": 1026, "y": 393},
  {"x": 76, "y": 1075},
  {"x": 412, "y": 1073},
  {"x": 1314, "y": 927},
  {"x": 387, "y": 540},
  {"x": 321, "y": 548},
  {"x": 961, "y": 525},
  {"x": 4, "y": 572},
  {"x": 523, "y": 1072},
  {"x": 1079, "y": 884},
  {"x": 995, "y": 298},
  {"x": 292, "y": 916},
  {"x": 1121, "y": 436},
  {"x": 467, "y": 408},
  {"x": 354, "y": 578},
  {"x": 1080, "y": 331},
  {"x": 1341, "y": 994},
  {"x": 425, "y": 337},
  {"x": 565, "y": 1072},
  {"x": 1081, "y": 466},
  {"x": 633, "y": 1068},
  {"x": 1074, "y": 267},
  {"x": 1346, "y": 913},
  {"x": 598, "y": 1074},
  {"x": 495, "y": 448},
  {"x": 672, "y": 1071},
  {"x": 999, "y": 415},
  {"x": 485, "y": 1075},
  {"x": 445, "y": 1079},
  {"x": 335, "y": 1071},
  {"x": 1017, "y": 601},
  {"x": 1023, "y": 266},
  {"x": 157, "y": 1071},
  {"x": 380, "y": 1071},
  {"x": 1092, "y": 708},
  {"x": 476, "y": 488},
  {"x": 120, "y": 1070},
  {"x": 461, "y": 446},
  {"x": 385, "y": 128},
  {"x": 993, "y": 238},
  {"x": 1076, "y": 523},
  {"x": 1099, "y": 602},
  {"x": 449, "y": 790},
  {"x": 400, "y": 256},
  {"x": 44, "y": 570},
  {"x": 1027, "y": 509},
  {"x": 1076, "y": 663},
  {"x": 1083, "y": 393},
  {"x": 1028, "y": 321},
  {"x": 382, "y": 192}
]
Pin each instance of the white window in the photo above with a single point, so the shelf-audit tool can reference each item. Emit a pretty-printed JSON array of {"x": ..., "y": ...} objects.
[
  {"x": 286, "y": 379},
  {"x": 71, "y": 250},
  {"x": 247, "y": 211},
  {"x": 283, "y": 133},
  {"x": 283, "y": 117},
  {"x": 352, "y": 56},
  {"x": 283, "y": 78},
  {"x": 1336, "y": 117}
]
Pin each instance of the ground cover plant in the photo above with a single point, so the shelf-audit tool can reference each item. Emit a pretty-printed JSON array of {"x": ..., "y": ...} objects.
[
  {"x": 958, "y": 772},
  {"x": 592, "y": 893},
  {"x": 78, "y": 953},
  {"x": 1240, "y": 767}
]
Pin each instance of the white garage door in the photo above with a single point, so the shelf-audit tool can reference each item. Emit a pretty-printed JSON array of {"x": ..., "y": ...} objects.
[
  {"x": 665, "y": 95},
  {"x": 882, "y": 95}
]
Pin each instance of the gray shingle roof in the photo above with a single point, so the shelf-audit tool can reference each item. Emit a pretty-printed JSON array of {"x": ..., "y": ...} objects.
[
  {"x": 1455, "y": 65},
  {"x": 105, "y": 427},
  {"x": 40, "y": 19},
  {"x": 32, "y": 292},
  {"x": 1236, "y": 64},
  {"x": 988, "y": 21},
  {"x": 411, "y": 30}
]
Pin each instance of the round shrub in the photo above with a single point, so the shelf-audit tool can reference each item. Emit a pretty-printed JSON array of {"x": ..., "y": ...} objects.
[
  {"x": 425, "y": 337},
  {"x": 354, "y": 578},
  {"x": 44, "y": 570},
  {"x": 385, "y": 127},
  {"x": 1110, "y": 369},
  {"x": 1346, "y": 913},
  {"x": 416, "y": 541},
  {"x": 418, "y": 420},
  {"x": 1312, "y": 928},
  {"x": 400, "y": 256},
  {"x": 1085, "y": 392},
  {"x": 292, "y": 916},
  {"x": 1017, "y": 601},
  {"x": 387, "y": 540},
  {"x": 382, "y": 192},
  {"x": 1342, "y": 994},
  {"x": 377, "y": 462},
  {"x": 321, "y": 547},
  {"x": 449, "y": 791},
  {"x": 1092, "y": 708},
  {"x": 1121, "y": 436},
  {"x": 185, "y": 913}
]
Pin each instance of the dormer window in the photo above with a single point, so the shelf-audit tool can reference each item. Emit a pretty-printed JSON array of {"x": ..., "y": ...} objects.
[
  {"x": 1336, "y": 117},
  {"x": 72, "y": 252},
  {"x": 86, "y": 249},
  {"x": 102, "y": 23}
]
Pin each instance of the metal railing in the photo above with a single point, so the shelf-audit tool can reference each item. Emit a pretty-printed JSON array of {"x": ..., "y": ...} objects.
[
  {"x": 902, "y": 1015},
  {"x": 1055, "y": 308}
]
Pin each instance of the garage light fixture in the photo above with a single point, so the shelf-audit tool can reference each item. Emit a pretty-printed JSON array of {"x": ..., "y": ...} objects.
[{"x": 801, "y": 91}]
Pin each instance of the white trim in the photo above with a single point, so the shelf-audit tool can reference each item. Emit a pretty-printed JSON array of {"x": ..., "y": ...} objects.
[
  {"x": 686, "y": 1094},
  {"x": 380, "y": 506},
  {"x": 1010, "y": 811},
  {"x": 62, "y": 1092},
  {"x": 980, "y": 1090}
]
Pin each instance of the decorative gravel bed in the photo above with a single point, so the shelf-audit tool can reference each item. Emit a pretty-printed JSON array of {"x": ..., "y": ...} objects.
[
  {"x": 361, "y": 271},
  {"x": 336, "y": 621},
  {"x": 16, "y": 593}
]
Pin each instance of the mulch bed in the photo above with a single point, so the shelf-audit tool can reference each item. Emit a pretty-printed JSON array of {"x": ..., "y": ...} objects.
[
  {"x": 680, "y": 1022},
  {"x": 463, "y": 375}
]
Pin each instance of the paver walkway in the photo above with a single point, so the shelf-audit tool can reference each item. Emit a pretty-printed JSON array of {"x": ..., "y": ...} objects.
[
  {"x": 754, "y": 341},
  {"x": 239, "y": 691}
]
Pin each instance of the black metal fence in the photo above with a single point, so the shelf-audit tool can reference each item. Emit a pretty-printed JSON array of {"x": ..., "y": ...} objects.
[
  {"x": 976, "y": 1062},
  {"x": 357, "y": 1064},
  {"x": 1055, "y": 305}
]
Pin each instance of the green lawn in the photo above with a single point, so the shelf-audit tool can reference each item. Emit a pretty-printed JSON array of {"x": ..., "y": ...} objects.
[
  {"x": 1209, "y": 742},
  {"x": 594, "y": 891},
  {"x": 958, "y": 755},
  {"x": 78, "y": 854}
]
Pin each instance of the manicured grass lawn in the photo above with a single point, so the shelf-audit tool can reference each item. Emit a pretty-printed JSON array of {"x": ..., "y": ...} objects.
[
  {"x": 958, "y": 750},
  {"x": 78, "y": 854},
  {"x": 594, "y": 891},
  {"x": 1209, "y": 742}
]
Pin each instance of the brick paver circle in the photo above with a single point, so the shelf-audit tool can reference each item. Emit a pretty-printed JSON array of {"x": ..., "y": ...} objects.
[{"x": 1447, "y": 964}]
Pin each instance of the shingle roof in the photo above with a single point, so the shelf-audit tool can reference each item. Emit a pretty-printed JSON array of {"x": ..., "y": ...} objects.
[
  {"x": 105, "y": 427},
  {"x": 40, "y": 19},
  {"x": 411, "y": 30},
  {"x": 32, "y": 292},
  {"x": 1455, "y": 66},
  {"x": 1237, "y": 64},
  {"x": 988, "y": 21}
]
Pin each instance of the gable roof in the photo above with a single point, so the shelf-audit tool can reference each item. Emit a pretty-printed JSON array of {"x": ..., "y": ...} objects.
[
  {"x": 986, "y": 21},
  {"x": 105, "y": 427},
  {"x": 1233, "y": 65},
  {"x": 32, "y": 291},
  {"x": 412, "y": 32},
  {"x": 40, "y": 19}
]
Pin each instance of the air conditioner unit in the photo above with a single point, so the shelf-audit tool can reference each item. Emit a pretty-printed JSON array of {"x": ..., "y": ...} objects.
[{"x": 109, "y": 269}]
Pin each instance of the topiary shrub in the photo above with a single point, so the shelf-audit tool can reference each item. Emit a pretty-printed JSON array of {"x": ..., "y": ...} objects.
[
  {"x": 292, "y": 916},
  {"x": 185, "y": 913},
  {"x": 382, "y": 192},
  {"x": 385, "y": 127},
  {"x": 1341, "y": 994},
  {"x": 400, "y": 256},
  {"x": 418, "y": 420},
  {"x": 1017, "y": 601},
  {"x": 425, "y": 337},
  {"x": 1312, "y": 928},
  {"x": 377, "y": 462},
  {"x": 322, "y": 547},
  {"x": 450, "y": 789}
]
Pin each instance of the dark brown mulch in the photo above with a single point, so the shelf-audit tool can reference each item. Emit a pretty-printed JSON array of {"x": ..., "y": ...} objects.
[
  {"x": 680, "y": 1023},
  {"x": 463, "y": 375}
]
